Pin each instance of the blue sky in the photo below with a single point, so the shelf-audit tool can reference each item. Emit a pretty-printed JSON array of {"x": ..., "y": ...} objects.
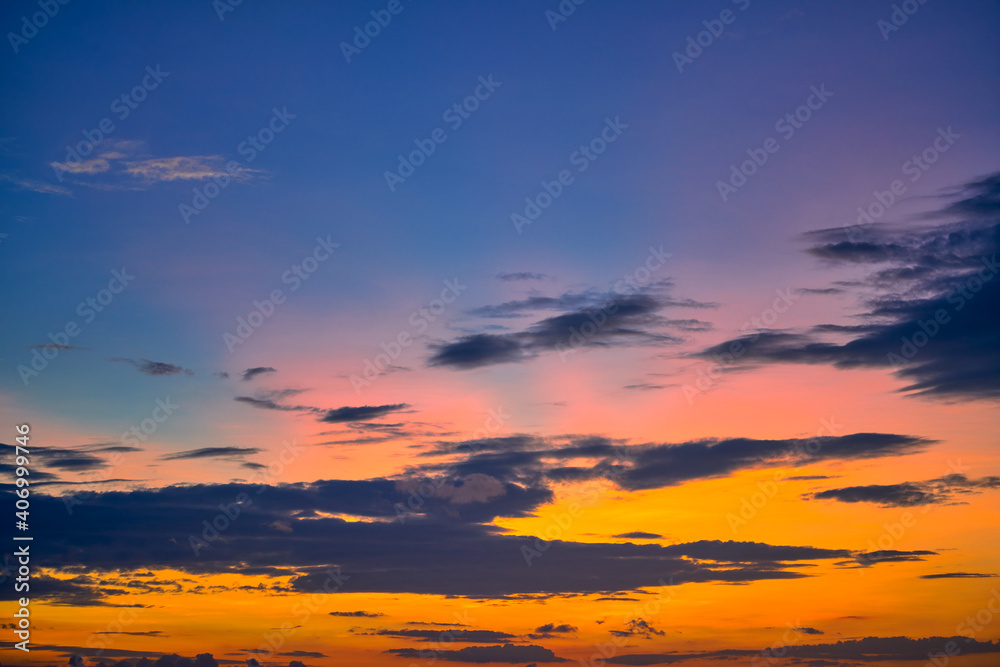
[{"x": 343, "y": 125}]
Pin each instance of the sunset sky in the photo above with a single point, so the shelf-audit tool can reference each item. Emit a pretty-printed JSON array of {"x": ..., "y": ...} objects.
[{"x": 401, "y": 333}]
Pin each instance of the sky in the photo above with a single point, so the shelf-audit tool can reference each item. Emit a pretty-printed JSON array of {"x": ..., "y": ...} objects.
[{"x": 403, "y": 332}]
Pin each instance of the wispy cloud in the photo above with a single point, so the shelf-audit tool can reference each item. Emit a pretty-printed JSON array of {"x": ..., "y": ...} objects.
[
  {"x": 36, "y": 186},
  {"x": 154, "y": 367},
  {"x": 126, "y": 165}
]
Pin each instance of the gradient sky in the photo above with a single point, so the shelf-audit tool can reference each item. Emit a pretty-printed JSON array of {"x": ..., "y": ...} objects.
[{"x": 690, "y": 397}]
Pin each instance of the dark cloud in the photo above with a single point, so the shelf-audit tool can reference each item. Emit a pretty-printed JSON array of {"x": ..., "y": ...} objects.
[
  {"x": 479, "y": 350},
  {"x": 361, "y": 413},
  {"x": 521, "y": 275},
  {"x": 532, "y": 460},
  {"x": 452, "y": 634},
  {"x": 508, "y": 653},
  {"x": 78, "y": 591},
  {"x": 940, "y": 491},
  {"x": 554, "y": 628},
  {"x": 522, "y": 307},
  {"x": 133, "y": 658},
  {"x": 357, "y": 614},
  {"x": 638, "y": 628},
  {"x": 154, "y": 367},
  {"x": 76, "y": 459},
  {"x": 935, "y": 311},
  {"x": 869, "y": 558},
  {"x": 282, "y": 529},
  {"x": 639, "y": 535},
  {"x": 977, "y": 200},
  {"x": 958, "y": 575},
  {"x": 591, "y": 319},
  {"x": 868, "y": 649},
  {"x": 251, "y": 373},
  {"x": 273, "y": 400},
  {"x": 211, "y": 453}
]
